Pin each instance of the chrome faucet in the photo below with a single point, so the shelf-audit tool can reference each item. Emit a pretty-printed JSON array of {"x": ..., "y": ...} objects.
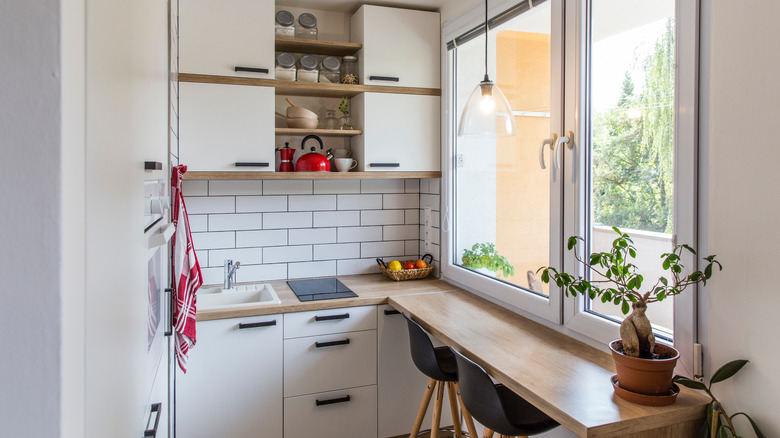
[{"x": 230, "y": 273}]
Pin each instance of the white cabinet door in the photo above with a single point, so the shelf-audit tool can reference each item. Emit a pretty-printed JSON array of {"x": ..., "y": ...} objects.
[
  {"x": 218, "y": 36},
  {"x": 401, "y": 132},
  {"x": 336, "y": 414},
  {"x": 400, "y": 46},
  {"x": 226, "y": 127},
  {"x": 233, "y": 385},
  {"x": 400, "y": 385}
]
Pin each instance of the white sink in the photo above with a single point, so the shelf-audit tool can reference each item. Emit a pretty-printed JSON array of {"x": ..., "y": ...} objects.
[{"x": 240, "y": 296}]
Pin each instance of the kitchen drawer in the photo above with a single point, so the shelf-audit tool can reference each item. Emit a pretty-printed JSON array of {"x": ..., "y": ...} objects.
[
  {"x": 335, "y": 364},
  {"x": 322, "y": 322},
  {"x": 355, "y": 418}
]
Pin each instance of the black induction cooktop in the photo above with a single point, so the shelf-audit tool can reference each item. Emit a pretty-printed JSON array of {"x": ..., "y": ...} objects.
[{"x": 320, "y": 289}]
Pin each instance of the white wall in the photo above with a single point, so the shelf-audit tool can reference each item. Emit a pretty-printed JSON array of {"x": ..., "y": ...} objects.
[{"x": 29, "y": 225}]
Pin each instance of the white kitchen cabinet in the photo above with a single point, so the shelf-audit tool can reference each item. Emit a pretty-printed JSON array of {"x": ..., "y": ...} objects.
[
  {"x": 401, "y": 132},
  {"x": 218, "y": 36},
  {"x": 226, "y": 127},
  {"x": 400, "y": 46},
  {"x": 233, "y": 385},
  {"x": 344, "y": 413}
]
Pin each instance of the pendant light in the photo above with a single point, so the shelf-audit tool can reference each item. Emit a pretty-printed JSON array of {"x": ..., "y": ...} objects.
[{"x": 487, "y": 112}]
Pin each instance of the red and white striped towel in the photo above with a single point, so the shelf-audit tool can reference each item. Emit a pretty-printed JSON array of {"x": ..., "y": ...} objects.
[{"x": 186, "y": 273}]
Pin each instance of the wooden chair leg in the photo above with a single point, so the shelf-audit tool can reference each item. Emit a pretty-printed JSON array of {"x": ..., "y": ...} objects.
[
  {"x": 454, "y": 409},
  {"x": 426, "y": 400},
  {"x": 436, "y": 422},
  {"x": 466, "y": 416},
  {"x": 487, "y": 433}
]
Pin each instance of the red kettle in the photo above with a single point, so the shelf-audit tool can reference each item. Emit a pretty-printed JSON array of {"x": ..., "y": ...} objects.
[{"x": 313, "y": 161}]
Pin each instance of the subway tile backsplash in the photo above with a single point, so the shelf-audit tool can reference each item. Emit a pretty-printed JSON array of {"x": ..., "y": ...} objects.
[{"x": 284, "y": 229}]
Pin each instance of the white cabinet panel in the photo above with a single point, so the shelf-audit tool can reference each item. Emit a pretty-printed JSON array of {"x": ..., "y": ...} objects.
[
  {"x": 233, "y": 386},
  {"x": 217, "y": 36},
  {"x": 397, "y": 43},
  {"x": 221, "y": 125},
  {"x": 338, "y": 417},
  {"x": 400, "y": 132},
  {"x": 321, "y": 322}
]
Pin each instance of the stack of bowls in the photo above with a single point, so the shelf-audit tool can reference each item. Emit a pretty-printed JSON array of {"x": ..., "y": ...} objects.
[{"x": 298, "y": 117}]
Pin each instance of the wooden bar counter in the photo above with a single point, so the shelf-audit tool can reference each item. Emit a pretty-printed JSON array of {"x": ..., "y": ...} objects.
[{"x": 566, "y": 379}]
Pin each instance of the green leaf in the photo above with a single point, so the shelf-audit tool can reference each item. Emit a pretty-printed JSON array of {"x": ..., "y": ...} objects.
[
  {"x": 617, "y": 300},
  {"x": 689, "y": 383},
  {"x": 661, "y": 295},
  {"x": 758, "y": 432},
  {"x": 664, "y": 281},
  {"x": 722, "y": 432},
  {"x": 727, "y": 370},
  {"x": 639, "y": 280},
  {"x": 708, "y": 271},
  {"x": 631, "y": 283},
  {"x": 572, "y": 242},
  {"x": 666, "y": 264},
  {"x": 632, "y": 252},
  {"x": 626, "y": 308},
  {"x": 546, "y": 276},
  {"x": 617, "y": 230}
]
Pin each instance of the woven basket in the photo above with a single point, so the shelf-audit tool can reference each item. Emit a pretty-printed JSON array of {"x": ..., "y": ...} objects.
[{"x": 407, "y": 274}]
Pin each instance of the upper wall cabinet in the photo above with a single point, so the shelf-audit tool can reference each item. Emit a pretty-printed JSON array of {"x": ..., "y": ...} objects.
[
  {"x": 227, "y": 38},
  {"x": 401, "y": 47}
]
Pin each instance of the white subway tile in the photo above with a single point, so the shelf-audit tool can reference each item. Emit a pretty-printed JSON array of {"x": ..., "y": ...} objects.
[
  {"x": 383, "y": 249},
  {"x": 336, "y": 186},
  {"x": 311, "y": 202},
  {"x": 424, "y": 182},
  {"x": 273, "y": 221},
  {"x": 401, "y": 232},
  {"x": 285, "y": 254},
  {"x": 336, "y": 218},
  {"x": 306, "y": 236},
  {"x": 201, "y": 241},
  {"x": 382, "y": 217},
  {"x": 337, "y": 251},
  {"x": 360, "y": 202},
  {"x": 412, "y": 217},
  {"x": 233, "y": 222},
  {"x": 410, "y": 200},
  {"x": 246, "y": 239},
  {"x": 356, "y": 267},
  {"x": 435, "y": 218},
  {"x": 228, "y": 187},
  {"x": 413, "y": 248},
  {"x": 260, "y": 204},
  {"x": 203, "y": 257},
  {"x": 311, "y": 269},
  {"x": 435, "y": 186},
  {"x": 195, "y": 187},
  {"x": 261, "y": 273},
  {"x": 247, "y": 256},
  {"x": 435, "y": 234},
  {"x": 412, "y": 186},
  {"x": 382, "y": 186},
  {"x": 198, "y": 222},
  {"x": 434, "y": 250},
  {"x": 288, "y": 187},
  {"x": 429, "y": 201},
  {"x": 212, "y": 204},
  {"x": 212, "y": 276},
  {"x": 359, "y": 234}
]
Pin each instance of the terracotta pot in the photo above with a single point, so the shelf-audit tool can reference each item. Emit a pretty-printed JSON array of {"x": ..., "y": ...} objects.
[{"x": 645, "y": 376}]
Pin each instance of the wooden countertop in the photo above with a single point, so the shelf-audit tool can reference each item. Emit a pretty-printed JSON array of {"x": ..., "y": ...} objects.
[
  {"x": 568, "y": 380},
  {"x": 372, "y": 289}
]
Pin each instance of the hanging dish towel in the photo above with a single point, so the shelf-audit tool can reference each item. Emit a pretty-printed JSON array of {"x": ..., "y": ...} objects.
[{"x": 186, "y": 273}]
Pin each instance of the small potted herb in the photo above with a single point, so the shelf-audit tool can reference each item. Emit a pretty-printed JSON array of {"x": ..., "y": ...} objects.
[
  {"x": 346, "y": 120},
  {"x": 484, "y": 255}
]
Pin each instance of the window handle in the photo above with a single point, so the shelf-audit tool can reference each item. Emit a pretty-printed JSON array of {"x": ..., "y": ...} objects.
[
  {"x": 569, "y": 140},
  {"x": 547, "y": 141}
]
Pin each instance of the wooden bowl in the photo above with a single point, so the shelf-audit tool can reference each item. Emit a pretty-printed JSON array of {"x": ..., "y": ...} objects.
[
  {"x": 296, "y": 112},
  {"x": 302, "y": 122}
]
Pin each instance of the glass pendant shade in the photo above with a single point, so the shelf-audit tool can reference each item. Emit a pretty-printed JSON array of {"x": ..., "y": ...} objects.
[{"x": 487, "y": 113}]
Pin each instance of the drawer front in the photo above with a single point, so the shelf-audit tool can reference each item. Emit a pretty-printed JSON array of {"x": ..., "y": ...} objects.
[
  {"x": 334, "y": 417},
  {"x": 330, "y": 362},
  {"x": 323, "y": 322}
]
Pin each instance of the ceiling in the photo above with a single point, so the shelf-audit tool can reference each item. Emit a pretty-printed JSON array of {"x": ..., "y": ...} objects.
[{"x": 352, "y": 5}]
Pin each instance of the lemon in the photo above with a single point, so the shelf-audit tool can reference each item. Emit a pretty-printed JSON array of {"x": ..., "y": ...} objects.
[{"x": 395, "y": 265}]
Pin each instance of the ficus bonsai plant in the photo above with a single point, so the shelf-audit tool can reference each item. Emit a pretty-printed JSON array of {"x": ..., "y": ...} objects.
[{"x": 484, "y": 255}]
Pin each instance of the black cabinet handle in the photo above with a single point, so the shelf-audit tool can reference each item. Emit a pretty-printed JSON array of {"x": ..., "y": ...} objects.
[
  {"x": 384, "y": 165},
  {"x": 153, "y": 432},
  {"x": 251, "y": 69},
  {"x": 331, "y": 343},
  {"x": 251, "y": 164},
  {"x": 392, "y": 312},
  {"x": 332, "y": 401},
  {"x": 169, "y": 326},
  {"x": 331, "y": 317},
  {"x": 384, "y": 78},
  {"x": 248, "y": 325},
  {"x": 152, "y": 165}
]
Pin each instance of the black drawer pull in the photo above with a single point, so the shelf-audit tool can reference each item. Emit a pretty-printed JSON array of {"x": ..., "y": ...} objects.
[
  {"x": 384, "y": 78},
  {"x": 332, "y": 401},
  {"x": 384, "y": 165},
  {"x": 251, "y": 70},
  {"x": 331, "y": 343},
  {"x": 331, "y": 317},
  {"x": 152, "y": 165},
  {"x": 152, "y": 433},
  {"x": 251, "y": 164},
  {"x": 392, "y": 312},
  {"x": 248, "y": 325}
]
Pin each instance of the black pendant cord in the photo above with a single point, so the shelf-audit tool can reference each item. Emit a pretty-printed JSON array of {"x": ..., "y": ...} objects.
[{"x": 486, "y": 42}]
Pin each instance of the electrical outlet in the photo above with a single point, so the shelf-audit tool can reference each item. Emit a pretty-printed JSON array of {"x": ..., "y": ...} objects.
[
  {"x": 459, "y": 160},
  {"x": 427, "y": 228}
]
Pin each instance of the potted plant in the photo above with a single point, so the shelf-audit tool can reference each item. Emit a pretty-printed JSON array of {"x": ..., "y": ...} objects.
[
  {"x": 346, "y": 120},
  {"x": 643, "y": 367},
  {"x": 485, "y": 256}
]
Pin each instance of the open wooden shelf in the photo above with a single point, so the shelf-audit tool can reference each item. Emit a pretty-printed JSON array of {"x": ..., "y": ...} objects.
[
  {"x": 321, "y": 132},
  {"x": 296, "y": 45},
  {"x": 314, "y": 89},
  {"x": 309, "y": 175}
]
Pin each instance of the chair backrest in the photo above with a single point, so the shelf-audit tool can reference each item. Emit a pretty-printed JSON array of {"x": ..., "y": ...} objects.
[{"x": 423, "y": 354}]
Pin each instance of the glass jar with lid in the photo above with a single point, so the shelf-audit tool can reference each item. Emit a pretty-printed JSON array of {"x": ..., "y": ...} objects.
[
  {"x": 329, "y": 70},
  {"x": 307, "y": 68},
  {"x": 285, "y": 24},
  {"x": 349, "y": 70},
  {"x": 285, "y": 67},
  {"x": 307, "y": 27}
]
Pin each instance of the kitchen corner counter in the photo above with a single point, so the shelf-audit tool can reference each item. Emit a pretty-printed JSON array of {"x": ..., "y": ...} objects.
[{"x": 372, "y": 289}]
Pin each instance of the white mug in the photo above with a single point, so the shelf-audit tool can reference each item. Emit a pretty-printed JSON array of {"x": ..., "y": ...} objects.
[
  {"x": 342, "y": 153},
  {"x": 345, "y": 164}
]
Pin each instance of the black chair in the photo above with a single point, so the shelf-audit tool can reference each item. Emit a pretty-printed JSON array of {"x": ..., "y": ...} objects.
[
  {"x": 439, "y": 365},
  {"x": 495, "y": 406}
]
